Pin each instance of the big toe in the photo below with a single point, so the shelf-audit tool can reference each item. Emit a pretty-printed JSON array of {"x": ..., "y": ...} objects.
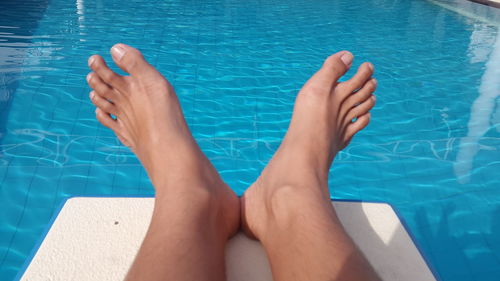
[
  {"x": 130, "y": 60},
  {"x": 336, "y": 65}
]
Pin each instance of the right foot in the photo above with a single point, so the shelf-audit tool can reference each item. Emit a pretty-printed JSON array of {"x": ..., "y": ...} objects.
[
  {"x": 150, "y": 121},
  {"x": 322, "y": 124}
]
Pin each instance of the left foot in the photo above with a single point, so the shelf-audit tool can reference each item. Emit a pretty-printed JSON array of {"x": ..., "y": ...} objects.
[{"x": 150, "y": 121}]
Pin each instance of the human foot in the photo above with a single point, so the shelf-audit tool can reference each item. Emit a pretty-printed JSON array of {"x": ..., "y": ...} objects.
[
  {"x": 150, "y": 121},
  {"x": 322, "y": 124}
]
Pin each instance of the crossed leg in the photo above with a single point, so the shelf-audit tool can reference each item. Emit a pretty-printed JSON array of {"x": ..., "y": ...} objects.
[
  {"x": 195, "y": 212},
  {"x": 288, "y": 208}
]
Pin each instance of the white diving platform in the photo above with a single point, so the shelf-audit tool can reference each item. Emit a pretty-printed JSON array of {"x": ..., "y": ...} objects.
[{"x": 96, "y": 238}]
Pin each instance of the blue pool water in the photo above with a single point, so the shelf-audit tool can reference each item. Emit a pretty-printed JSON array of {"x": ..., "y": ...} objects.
[{"x": 432, "y": 149}]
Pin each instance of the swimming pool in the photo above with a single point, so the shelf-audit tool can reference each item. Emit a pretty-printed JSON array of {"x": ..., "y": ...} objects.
[{"x": 432, "y": 149}]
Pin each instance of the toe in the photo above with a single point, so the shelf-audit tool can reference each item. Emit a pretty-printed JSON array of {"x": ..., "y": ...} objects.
[
  {"x": 124, "y": 141},
  {"x": 337, "y": 65},
  {"x": 359, "y": 97},
  {"x": 106, "y": 120},
  {"x": 326, "y": 78},
  {"x": 97, "y": 64},
  {"x": 359, "y": 110},
  {"x": 355, "y": 127},
  {"x": 103, "y": 104},
  {"x": 130, "y": 60},
  {"x": 364, "y": 73},
  {"x": 96, "y": 83}
]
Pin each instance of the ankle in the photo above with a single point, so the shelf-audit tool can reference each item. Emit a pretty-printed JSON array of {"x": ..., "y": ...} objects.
[
  {"x": 292, "y": 206},
  {"x": 187, "y": 169},
  {"x": 206, "y": 201}
]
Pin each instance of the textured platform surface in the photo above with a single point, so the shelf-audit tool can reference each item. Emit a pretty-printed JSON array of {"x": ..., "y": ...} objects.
[{"x": 97, "y": 239}]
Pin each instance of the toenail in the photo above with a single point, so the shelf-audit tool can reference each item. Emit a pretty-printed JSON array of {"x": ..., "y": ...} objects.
[
  {"x": 91, "y": 95},
  {"x": 89, "y": 77},
  {"x": 370, "y": 65},
  {"x": 347, "y": 58},
  {"x": 118, "y": 51},
  {"x": 374, "y": 81},
  {"x": 91, "y": 60}
]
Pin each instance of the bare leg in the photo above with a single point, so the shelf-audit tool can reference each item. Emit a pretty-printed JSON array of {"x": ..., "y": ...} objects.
[
  {"x": 195, "y": 212},
  {"x": 288, "y": 208}
]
